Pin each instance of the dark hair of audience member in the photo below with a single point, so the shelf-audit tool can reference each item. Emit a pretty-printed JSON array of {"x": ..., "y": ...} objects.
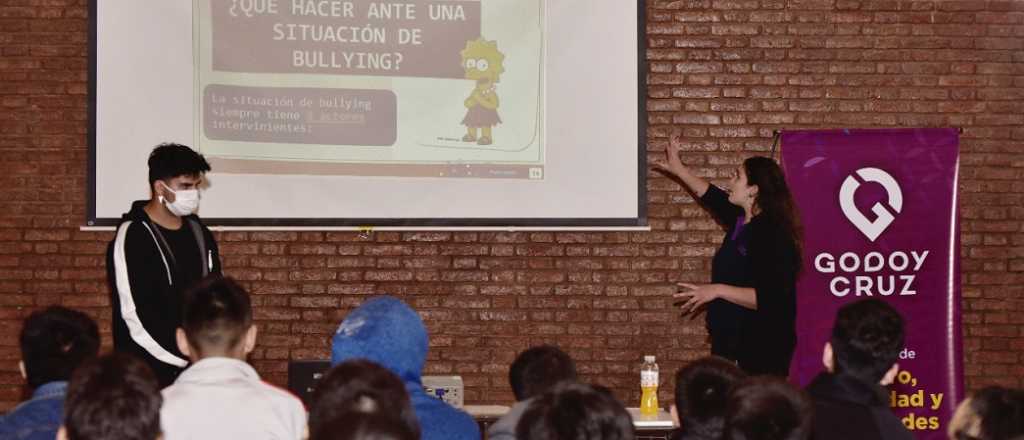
[
  {"x": 767, "y": 409},
  {"x": 866, "y": 339},
  {"x": 54, "y": 341},
  {"x": 362, "y": 387},
  {"x": 702, "y": 391},
  {"x": 114, "y": 396},
  {"x": 170, "y": 160},
  {"x": 538, "y": 369},
  {"x": 991, "y": 413},
  {"x": 362, "y": 426},
  {"x": 217, "y": 314},
  {"x": 574, "y": 411}
]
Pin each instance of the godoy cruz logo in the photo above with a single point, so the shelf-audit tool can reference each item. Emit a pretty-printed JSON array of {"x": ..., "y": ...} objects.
[
  {"x": 874, "y": 272},
  {"x": 884, "y": 217}
]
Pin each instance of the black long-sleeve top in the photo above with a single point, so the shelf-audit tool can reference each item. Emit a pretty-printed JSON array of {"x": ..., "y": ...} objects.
[
  {"x": 148, "y": 269},
  {"x": 730, "y": 265},
  {"x": 765, "y": 259}
]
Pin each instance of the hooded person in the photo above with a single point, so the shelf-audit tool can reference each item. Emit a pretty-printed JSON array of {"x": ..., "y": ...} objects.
[
  {"x": 160, "y": 249},
  {"x": 387, "y": 331}
]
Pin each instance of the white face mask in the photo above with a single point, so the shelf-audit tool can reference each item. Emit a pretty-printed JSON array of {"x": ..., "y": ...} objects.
[{"x": 186, "y": 201}]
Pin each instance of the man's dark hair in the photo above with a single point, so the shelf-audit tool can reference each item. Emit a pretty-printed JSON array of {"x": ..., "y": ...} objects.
[
  {"x": 169, "y": 160},
  {"x": 217, "y": 313},
  {"x": 360, "y": 426},
  {"x": 54, "y": 341},
  {"x": 361, "y": 387},
  {"x": 538, "y": 369},
  {"x": 866, "y": 339},
  {"x": 999, "y": 412},
  {"x": 702, "y": 391},
  {"x": 574, "y": 411},
  {"x": 114, "y": 396},
  {"x": 767, "y": 409}
]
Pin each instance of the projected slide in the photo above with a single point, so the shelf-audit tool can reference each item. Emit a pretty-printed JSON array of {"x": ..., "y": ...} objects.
[
  {"x": 413, "y": 88},
  {"x": 376, "y": 112}
]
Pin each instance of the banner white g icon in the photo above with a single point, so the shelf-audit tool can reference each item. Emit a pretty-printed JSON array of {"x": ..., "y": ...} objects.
[{"x": 871, "y": 229}]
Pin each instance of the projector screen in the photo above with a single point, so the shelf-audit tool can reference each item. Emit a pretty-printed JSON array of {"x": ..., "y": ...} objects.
[{"x": 376, "y": 113}]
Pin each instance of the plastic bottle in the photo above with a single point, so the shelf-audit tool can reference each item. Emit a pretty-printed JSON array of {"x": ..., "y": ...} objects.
[{"x": 649, "y": 386}]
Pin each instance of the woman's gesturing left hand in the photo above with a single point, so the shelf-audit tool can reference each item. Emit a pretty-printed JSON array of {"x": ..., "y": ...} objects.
[{"x": 695, "y": 296}]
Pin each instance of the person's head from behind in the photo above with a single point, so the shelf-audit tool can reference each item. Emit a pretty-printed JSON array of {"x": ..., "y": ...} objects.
[
  {"x": 538, "y": 369},
  {"x": 54, "y": 341},
  {"x": 702, "y": 391},
  {"x": 387, "y": 331},
  {"x": 362, "y": 426},
  {"x": 866, "y": 341},
  {"x": 991, "y": 413},
  {"x": 216, "y": 320},
  {"x": 573, "y": 411},
  {"x": 360, "y": 387},
  {"x": 175, "y": 173},
  {"x": 767, "y": 409},
  {"x": 114, "y": 396}
]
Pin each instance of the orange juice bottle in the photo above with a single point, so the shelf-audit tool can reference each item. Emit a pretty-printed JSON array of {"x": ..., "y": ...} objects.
[{"x": 649, "y": 386}]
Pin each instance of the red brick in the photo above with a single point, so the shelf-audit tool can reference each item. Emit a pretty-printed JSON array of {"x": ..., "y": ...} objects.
[
  {"x": 274, "y": 236},
  {"x": 723, "y": 72}
]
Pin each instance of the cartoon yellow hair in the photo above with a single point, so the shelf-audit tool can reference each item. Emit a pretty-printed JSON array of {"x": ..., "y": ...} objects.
[{"x": 487, "y": 50}]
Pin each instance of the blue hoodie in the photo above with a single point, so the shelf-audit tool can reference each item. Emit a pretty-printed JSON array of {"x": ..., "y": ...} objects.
[
  {"x": 38, "y": 418},
  {"x": 386, "y": 331}
]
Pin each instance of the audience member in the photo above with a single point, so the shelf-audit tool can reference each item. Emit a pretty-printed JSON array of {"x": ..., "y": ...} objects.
[
  {"x": 362, "y": 426},
  {"x": 360, "y": 387},
  {"x": 220, "y": 395},
  {"x": 53, "y": 342},
  {"x": 991, "y": 413},
  {"x": 767, "y": 409},
  {"x": 573, "y": 411},
  {"x": 113, "y": 397},
  {"x": 386, "y": 331},
  {"x": 702, "y": 390},
  {"x": 533, "y": 372},
  {"x": 860, "y": 358}
]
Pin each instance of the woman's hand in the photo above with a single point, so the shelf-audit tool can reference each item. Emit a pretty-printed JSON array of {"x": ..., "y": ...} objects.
[
  {"x": 675, "y": 146},
  {"x": 672, "y": 164},
  {"x": 695, "y": 296}
]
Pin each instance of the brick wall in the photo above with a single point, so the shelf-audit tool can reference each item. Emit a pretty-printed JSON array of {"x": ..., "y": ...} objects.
[{"x": 727, "y": 72}]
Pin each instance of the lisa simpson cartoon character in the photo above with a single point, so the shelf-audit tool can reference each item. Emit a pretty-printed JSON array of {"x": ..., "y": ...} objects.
[{"x": 484, "y": 64}]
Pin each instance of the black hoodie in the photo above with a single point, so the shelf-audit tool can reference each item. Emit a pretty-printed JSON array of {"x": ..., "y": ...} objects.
[
  {"x": 846, "y": 407},
  {"x": 148, "y": 269}
]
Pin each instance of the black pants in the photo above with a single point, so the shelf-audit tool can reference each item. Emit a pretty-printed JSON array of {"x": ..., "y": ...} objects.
[
  {"x": 725, "y": 342},
  {"x": 766, "y": 358},
  {"x": 752, "y": 358}
]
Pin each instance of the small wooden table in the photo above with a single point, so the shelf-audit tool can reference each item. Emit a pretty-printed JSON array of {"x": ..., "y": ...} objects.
[{"x": 656, "y": 427}]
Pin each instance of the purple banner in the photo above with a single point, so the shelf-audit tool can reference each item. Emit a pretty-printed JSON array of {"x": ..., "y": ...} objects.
[{"x": 879, "y": 209}]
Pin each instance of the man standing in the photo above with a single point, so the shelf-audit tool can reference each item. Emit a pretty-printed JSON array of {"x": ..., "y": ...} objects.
[{"x": 161, "y": 248}]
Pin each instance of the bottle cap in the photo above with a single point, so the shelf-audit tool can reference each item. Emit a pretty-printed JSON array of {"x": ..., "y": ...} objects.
[{"x": 648, "y": 358}]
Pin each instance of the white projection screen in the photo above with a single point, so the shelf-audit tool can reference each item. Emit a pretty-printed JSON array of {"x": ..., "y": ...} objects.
[{"x": 338, "y": 113}]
